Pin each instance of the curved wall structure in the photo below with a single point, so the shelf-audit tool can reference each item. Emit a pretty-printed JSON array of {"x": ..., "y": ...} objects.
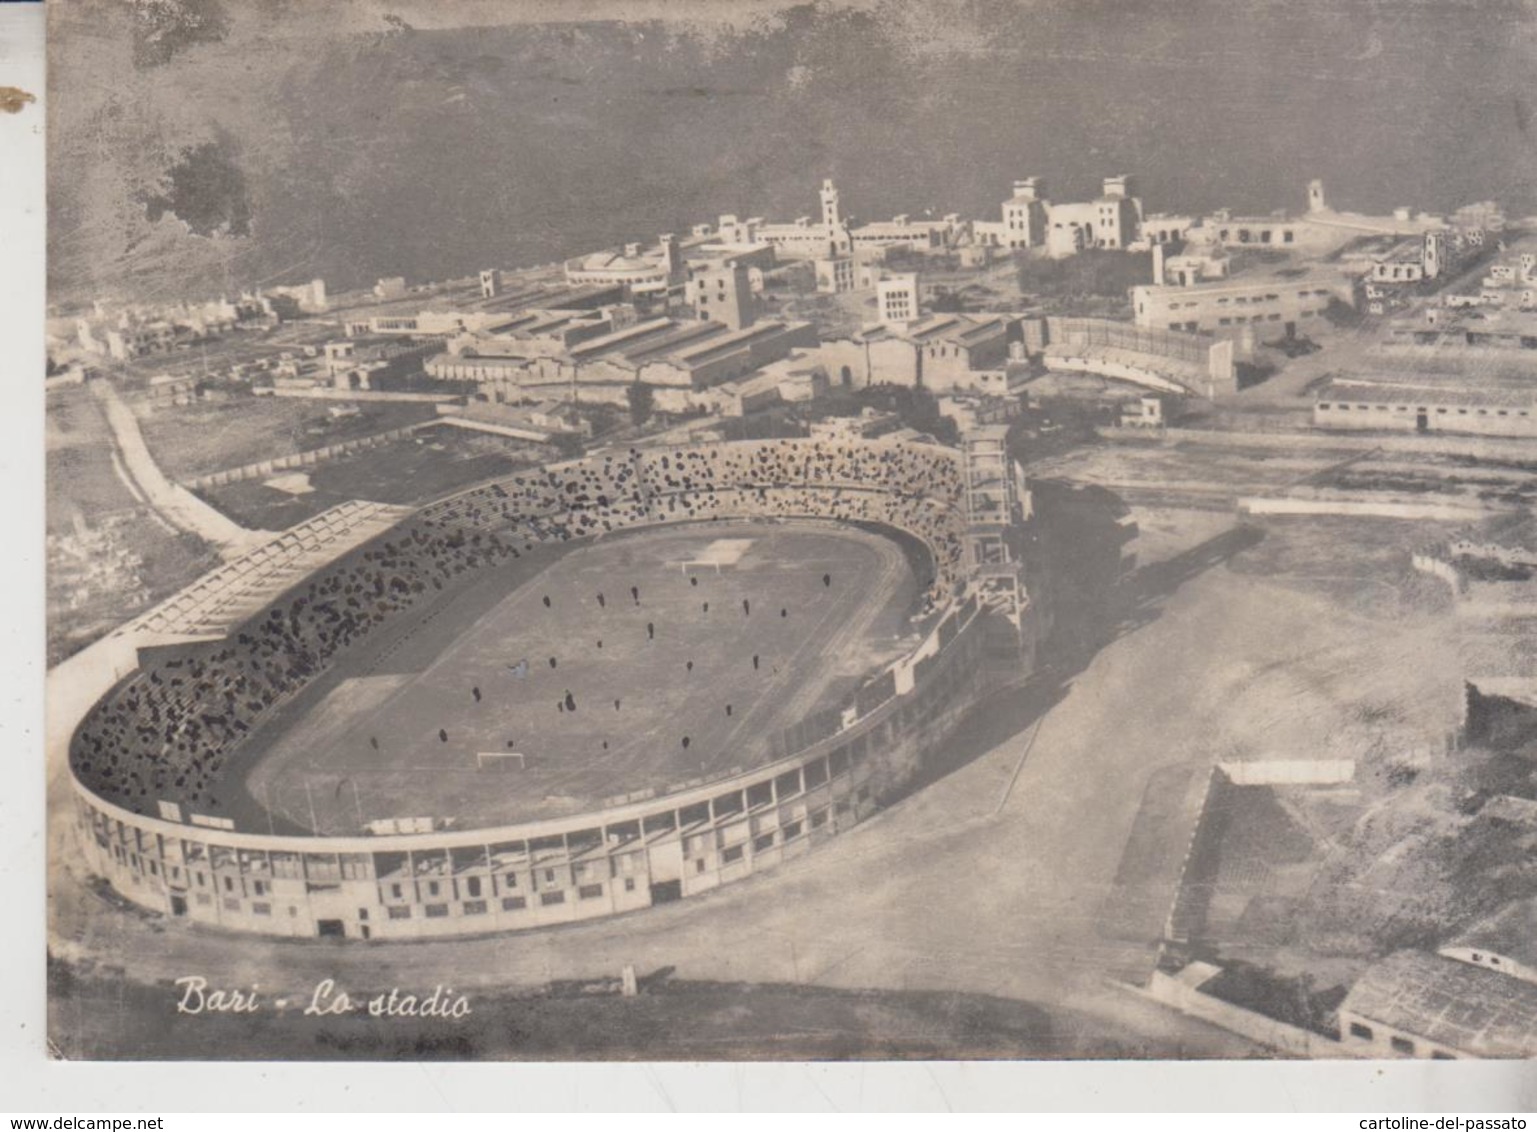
[{"x": 155, "y": 747}]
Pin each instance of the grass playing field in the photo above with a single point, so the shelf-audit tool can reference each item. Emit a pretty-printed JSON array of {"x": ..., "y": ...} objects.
[{"x": 611, "y": 671}]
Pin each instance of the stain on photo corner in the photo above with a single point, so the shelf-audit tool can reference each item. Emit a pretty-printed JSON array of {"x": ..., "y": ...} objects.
[{"x": 13, "y": 98}]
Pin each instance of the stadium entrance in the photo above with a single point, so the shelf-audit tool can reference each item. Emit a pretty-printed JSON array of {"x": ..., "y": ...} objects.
[
  {"x": 666, "y": 891},
  {"x": 334, "y": 929}
]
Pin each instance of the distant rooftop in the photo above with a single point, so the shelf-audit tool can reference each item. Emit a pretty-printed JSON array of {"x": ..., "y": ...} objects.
[
  {"x": 554, "y": 298},
  {"x": 958, "y": 328},
  {"x": 1426, "y": 393},
  {"x": 1449, "y": 1003},
  {"x": 617, "y": 338},
  {"x": 1511, "y": 932},
  {"x": 1517, "y": 531}
]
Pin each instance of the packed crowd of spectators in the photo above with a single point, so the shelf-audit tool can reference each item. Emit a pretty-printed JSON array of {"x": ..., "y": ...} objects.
[{"x": 916, "y": 488}]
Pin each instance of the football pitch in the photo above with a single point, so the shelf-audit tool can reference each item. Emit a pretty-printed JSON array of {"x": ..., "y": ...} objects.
[{"x": 632, "y": 663}]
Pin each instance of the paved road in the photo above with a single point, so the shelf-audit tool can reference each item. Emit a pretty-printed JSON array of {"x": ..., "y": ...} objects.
[{"x": 174, "y": 503}]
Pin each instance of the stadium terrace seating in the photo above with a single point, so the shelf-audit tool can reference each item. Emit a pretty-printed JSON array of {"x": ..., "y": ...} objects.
[
  {"x": 1130, "y": 365},
  {"x": 169, "y": 732},
  {"x": 222, "y": 599}
]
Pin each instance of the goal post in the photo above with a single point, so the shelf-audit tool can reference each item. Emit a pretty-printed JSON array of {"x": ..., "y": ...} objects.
[{"x": 501, "y": 760}]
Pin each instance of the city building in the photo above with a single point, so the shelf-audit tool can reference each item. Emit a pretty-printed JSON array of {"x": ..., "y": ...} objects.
[
  {"x": 1030, "y": 221},
  {"x": 1415, "y": 1004},
  {"x": 369, "y": 363},
  {"x": 540, "y": 421},
  {"x": 1412, "y": 261},
  {"x": 1505, "y": 942},
  {"x": 944, "y": 353},
  {"x": 729, "y": 229},
  {"x": 557, "y": 297},
  {"x": 840, "y": 275},
  {"x": 1162, "y": 228},
  {"x": 722, "y": 290},
  {"x": 1466, "y": 333},
  {"x": 541, "y": 332},
  {"x": 146, "y": 330},
  {"x": 650, "y": 272},
  {"x": 1189, "y": 268},
  {"x": 1510, "y": 540},
  {"x": 1246, "y": 308},
  {"x": 896, "y": 299},
  {"x": 391, "y": 287},
  {"x": 1509, "y": 284},
  {"x": 1110, "y": 221},
  {"x": 1278, "y": 230},
  {"x": 970, "y": 410},
  {"x": 804, "y": 238},
  {"x": 1024, "y": 219},
  {"x": 439, "y": 323},
  {"x": 914, "y": 235},
  {"x": 1420, "y": 403},
  {"x": 758, "y": 258},
  {"x": 308, "y": 298},
  {"x": 961, "y": 353},
  {"x": 795, "y": 379},
  {"x": 1396, "y": 275},
  {"x": 1145, "y": 412},
  {"x": 1166, "y": 361},
  {"x": 600, "y": 360},
  {"x": 129, "y": 340},
  {"x": 1321, "y": 229}
]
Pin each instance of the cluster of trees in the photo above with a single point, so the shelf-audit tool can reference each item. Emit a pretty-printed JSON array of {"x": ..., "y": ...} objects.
[{"x": 1093, "y": 274}]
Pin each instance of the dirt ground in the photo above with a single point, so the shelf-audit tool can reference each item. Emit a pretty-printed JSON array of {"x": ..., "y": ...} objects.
[
  {"x": 610, "y": 690},
  {"x": 415, "y": 469},
  {"x": 211, "y": 436}
]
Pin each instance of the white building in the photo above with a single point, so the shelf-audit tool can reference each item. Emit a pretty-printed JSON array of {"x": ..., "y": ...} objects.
[
  {"x": 1029, "y": 221},
  {"x": 919, "y": 235},
  {"x": 896, "y": 299},
  {"x": 1261, "y": 307},
  {"x": 805, "y": 238},
  {"x": 1505, "y": 942},
  {"x": 1414, "y": 1004},
  {"x": 649, "y": 272},
  {"x": 1404, "y": 406}
]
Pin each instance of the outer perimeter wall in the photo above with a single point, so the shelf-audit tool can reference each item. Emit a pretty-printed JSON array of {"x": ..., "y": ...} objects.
[{"x": 629, "y": 856}]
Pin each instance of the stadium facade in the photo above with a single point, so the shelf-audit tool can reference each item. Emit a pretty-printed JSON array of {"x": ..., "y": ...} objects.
[{"x": 148, "y": 753}]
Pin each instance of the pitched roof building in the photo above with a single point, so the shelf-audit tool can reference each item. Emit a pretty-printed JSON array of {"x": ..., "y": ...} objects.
[{"x": 1415, "y": 1004}]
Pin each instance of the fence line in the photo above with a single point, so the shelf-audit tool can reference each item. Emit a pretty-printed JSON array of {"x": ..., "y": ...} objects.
[{"x": 263, "y": 468}]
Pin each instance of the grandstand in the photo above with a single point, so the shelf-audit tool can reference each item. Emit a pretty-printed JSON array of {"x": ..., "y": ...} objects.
[
  {"x": 169, "y": 737},
  {"x": 220, "y": 600},
  {"x": 1168, "y": 361}
]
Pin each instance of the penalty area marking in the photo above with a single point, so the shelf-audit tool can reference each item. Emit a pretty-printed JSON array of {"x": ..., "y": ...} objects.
[
  {"x": 721, "y": 552},
  {"x": 500, "y": 760}
]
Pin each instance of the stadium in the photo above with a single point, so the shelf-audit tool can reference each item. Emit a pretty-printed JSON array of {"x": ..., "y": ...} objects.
[{"x": 572, "y": 692}]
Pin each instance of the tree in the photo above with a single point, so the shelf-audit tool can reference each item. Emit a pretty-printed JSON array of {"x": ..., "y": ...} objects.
[{"x": 641, "y": 398}]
